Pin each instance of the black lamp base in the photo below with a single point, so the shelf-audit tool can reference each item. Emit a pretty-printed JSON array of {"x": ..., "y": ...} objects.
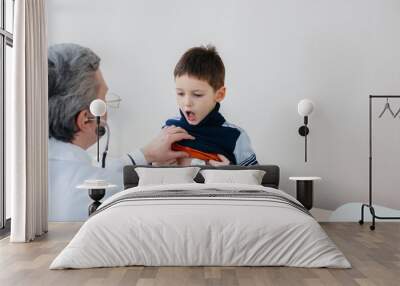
[{"x": 303, "y": 130}]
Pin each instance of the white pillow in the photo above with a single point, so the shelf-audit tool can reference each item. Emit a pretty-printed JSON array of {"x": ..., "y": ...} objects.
[
  {"x": 249, "y": 177},
  {"x": 162, "y": 176}
]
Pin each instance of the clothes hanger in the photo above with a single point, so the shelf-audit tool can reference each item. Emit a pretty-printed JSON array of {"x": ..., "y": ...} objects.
[
  {"x": 397, "y": 113},
  {"x": 387, "y": 107}
]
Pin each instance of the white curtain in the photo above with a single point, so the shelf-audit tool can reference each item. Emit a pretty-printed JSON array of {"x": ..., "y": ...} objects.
[{"x": 27, "y": 118}]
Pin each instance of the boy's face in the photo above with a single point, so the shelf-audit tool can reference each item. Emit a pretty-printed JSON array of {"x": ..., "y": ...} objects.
[{"x": 196, "y": 98}]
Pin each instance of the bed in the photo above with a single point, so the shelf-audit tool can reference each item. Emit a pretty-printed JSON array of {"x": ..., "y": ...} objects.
[{"x": 198, "y": 224}]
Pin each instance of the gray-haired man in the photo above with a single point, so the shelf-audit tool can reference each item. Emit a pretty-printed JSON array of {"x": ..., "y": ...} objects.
[{"x": 75, "y": 80}]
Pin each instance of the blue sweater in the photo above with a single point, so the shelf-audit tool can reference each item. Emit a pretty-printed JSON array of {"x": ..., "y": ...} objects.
[{"x": 215, "y": 135}]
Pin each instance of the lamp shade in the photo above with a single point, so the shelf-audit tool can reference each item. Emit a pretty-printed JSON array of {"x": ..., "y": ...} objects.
[
  {"x": 305, "y": 107},
  {"x": 98, "y": 107}
]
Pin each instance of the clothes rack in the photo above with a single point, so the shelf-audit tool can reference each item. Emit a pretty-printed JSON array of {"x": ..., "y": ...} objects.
[{"x": 370, "y": 205}]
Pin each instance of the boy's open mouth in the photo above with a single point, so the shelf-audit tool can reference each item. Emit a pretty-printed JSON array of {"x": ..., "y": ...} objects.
[{"x": 190, "y": 115}]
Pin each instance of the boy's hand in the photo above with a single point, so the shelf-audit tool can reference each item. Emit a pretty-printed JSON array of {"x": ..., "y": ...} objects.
[
  {"x": 184, "y": 161},
  {"x": 159, "y": 149},
  {"x": 174, "y": 162},
  {"x": 224, "y": 161}
]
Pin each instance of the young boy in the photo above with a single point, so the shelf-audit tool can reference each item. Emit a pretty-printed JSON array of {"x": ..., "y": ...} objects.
[{"x": 199, "y": 79}]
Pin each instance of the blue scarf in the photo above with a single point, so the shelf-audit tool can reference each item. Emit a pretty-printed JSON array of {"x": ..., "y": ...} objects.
[{"x": 210, "y": 135}]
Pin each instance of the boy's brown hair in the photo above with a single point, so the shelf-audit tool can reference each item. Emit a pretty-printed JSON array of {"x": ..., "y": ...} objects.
[{"x": 203, "y": 63}]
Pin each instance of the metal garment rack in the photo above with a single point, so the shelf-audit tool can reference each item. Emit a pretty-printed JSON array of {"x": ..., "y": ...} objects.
[{"x": 369, "y": 205}]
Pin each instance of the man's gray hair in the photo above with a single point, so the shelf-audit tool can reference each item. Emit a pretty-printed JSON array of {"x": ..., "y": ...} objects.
[{"x": 72, "y": 86}]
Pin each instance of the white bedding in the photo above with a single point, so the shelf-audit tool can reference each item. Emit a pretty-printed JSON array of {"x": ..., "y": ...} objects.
[{"x": 200, "y": 231}]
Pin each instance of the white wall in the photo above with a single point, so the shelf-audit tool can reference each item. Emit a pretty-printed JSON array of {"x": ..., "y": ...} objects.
[{"x": 335, "y": 53}]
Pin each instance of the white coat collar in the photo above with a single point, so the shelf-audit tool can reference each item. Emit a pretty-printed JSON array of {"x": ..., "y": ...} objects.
[{"x": 59, "y": 150}]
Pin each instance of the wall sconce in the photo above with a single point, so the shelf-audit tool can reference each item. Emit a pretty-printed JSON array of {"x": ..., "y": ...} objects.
[
  {"x": 98, "y": 108},
  {"x": 304, "y": 108}
]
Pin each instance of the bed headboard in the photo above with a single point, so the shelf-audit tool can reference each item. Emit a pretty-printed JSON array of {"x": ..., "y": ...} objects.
[{"x": 271, "y": 177}]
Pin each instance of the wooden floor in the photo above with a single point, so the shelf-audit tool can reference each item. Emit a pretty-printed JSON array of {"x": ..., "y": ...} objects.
[{"x": 374, "y": 255}]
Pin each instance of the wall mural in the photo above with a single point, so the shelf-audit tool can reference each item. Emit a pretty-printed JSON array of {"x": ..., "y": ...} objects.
[{"x": 200, "y": 135}]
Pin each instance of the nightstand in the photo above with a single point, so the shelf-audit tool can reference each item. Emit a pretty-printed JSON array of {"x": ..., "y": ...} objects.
[
  {"x": 97, "y": 190},
  {"x": 304, "y": 190}
]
